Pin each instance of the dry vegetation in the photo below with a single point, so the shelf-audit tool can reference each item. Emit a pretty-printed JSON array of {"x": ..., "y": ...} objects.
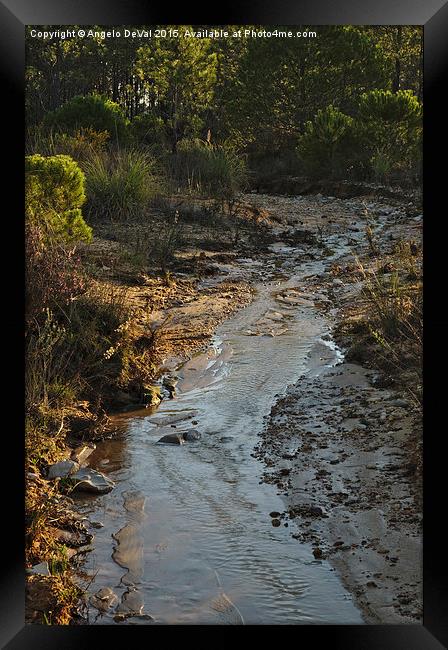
[{"x": 384, "y": 326}]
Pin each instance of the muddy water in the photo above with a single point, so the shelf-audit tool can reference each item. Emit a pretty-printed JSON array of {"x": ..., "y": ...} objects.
[{"x": 187, "y": 535}]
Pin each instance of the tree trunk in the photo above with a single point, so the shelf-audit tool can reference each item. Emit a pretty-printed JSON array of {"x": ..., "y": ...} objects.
[{"x": 396, "y": 79}]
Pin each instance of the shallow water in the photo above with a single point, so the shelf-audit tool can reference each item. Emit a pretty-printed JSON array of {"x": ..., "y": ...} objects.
[{"x": 199, "y": 546}]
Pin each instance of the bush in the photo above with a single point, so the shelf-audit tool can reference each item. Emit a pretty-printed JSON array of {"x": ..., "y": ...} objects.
[
  {"x": 205, "y": 169},
  {"x": 394, "y": 316},
  {"x": 163, "y": 243},
  {"x": 90, "y": 112},
  {"x": 389, "y": 127},
  {"x": 326, "y": 145},
  {"x": 385, "y": 106},
  {"x": 47, "y": 357},
  {"x": 120, "y": 184},
  {"x": 381, "y": 166},
  {"x": 53, "y": 275},
  {"x": 54, "y": 193},
  {"x": 80, "y": 145},
  {"x": 73, "y": 354}
]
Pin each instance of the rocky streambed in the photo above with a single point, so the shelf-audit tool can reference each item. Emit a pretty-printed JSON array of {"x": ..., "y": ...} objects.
[{"x": 326, "y": 528}]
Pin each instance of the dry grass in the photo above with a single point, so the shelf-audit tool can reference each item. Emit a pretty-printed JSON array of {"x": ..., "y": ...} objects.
[
  {"x": 51, "y": 600},
  {"x": 386, "y": 324}
]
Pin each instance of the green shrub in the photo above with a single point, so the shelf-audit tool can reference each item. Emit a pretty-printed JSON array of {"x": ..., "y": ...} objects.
[
  {"x": 325, "y": 146},
  {"x": 54, "y": 193},
  {"x": 90, "y": 112},
  {"x": 389, "y": 127},
  {"x": 386, "y": 106},
  {"x": 120, "y": 184},
  {"x": 205, "y": 169}
]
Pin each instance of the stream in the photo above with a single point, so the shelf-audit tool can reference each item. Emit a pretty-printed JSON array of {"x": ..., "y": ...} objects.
[{"x": 187, "y": 536}]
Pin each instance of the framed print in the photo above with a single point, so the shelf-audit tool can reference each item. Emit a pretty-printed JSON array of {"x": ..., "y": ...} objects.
[{"x": 223, "y": 380}]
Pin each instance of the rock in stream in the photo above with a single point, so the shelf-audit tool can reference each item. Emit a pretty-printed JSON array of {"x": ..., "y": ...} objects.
[{"x": 89, "y": 480}]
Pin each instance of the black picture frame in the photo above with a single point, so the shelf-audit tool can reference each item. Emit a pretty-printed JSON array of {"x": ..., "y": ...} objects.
[{"x": 433, "y": 15}]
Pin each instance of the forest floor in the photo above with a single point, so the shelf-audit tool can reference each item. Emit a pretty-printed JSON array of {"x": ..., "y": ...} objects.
[{"x": 344, "y": 444}]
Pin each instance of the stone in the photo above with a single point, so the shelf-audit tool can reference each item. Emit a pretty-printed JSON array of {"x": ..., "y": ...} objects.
[
  {"x": 80, "y": 454},
  {"x": 131, "y": 603},
  {"x": 62, "y": 469},
  {"x": 74, "y": 539},
  {"x": 192, "y": 435},
  {"x": 89, "y": 480},
  {"x": 104, "y": 599},
  {"x": 172, "y": 439},
  {"x": 317, "y": 552},
  {"x": 40, "y": 569}
]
